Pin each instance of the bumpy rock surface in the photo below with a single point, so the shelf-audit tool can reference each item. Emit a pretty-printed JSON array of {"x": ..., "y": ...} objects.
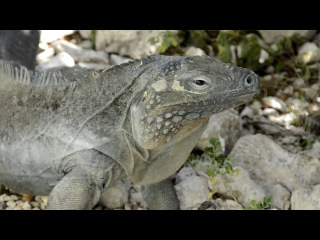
[
  {"x": 269, "y": 164},
  {"x": 238, "y": 186},
  {"x": 306, "y": 198},
  {"x": 280, "y": 197},
  {"x": 225, "y": 125},
  {"x": 227, "y": 204},
  {"x": 79, "y": 54},
  {"x": 192, "y": 189}
]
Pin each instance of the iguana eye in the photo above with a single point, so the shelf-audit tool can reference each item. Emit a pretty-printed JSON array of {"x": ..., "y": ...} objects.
[{"x": 199, "y": 84}]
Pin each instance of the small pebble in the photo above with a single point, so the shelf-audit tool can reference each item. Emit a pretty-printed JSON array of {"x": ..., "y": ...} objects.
[
  {"x": 13, "y": 197},
  {"x": 6, "y": 198},
  {"x": 26, "y": 206},
  {"x": 44, "y": 199},
  {"x": 127, "y": 206},
  {"x": 35, "y": 204},
  {"x": 43, "y": 206},
  {"x": 38, "y": 199},
  {"x": 35, "y": 208},
  {"x": 11, "y": 204},
  {"x": 17, "y": 208}
]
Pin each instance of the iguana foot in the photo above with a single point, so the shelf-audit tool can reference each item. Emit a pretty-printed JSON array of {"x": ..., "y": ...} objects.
[
  {"x": 161, "y": 196},
  {"x": 81, "y": 187}
]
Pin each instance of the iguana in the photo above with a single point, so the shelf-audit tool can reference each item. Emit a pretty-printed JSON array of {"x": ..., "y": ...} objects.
[{"x": 72, "y": 136}]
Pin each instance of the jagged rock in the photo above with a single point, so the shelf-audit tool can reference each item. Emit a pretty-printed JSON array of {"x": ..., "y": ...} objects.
[
  {"x": 309, "y": 52},
  {"x": 264, "y": 55},
  {"x": 238, "y": 186},
  {"x": 271, "y": 36},
  {"x": 314, "y": 151},
  {"x": 310, "y": 94},
  {"x": 280, "y": 197},
  {"x": 297, "y": 104},
  {"x": 79, "y": 54},
  {"x": 289, "y": 139},
  {"x": 191, "y": 189},
  {"x": 63, "y": 59},
  {"x": 193, "y": 51},
  {"x": 133, "y": 43},
  {"x": 226, "y": 125},
  {"x": 85, "y": 34},
  {"x": 115, "y": 196},
  {"x": 269, "y": 164},
  {"x": 270, "y": 112},
  {"x": 275, "y": 103},
  {"x": 227, "y": 204},
  {"x": 306, "y": 198},
  {"x": 52, "y": 35},
  {"x": 86, "y": 44},
  {"x": 45, "y": 55},
  {"x": 284, "y": 119}
]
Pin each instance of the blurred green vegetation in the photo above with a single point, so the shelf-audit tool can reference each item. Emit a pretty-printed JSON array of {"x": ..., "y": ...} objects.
[{"x": 244, "y": 48}]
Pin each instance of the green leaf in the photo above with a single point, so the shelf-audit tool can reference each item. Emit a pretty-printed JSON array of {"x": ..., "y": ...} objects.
[
  {"x": 250, "y": 51},
  {"x": 224, "y": 48},
  {"x": 210, "y": 195}
]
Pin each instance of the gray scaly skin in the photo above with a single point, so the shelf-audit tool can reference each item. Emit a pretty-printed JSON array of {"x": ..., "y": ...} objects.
[{"x": 72, "y": 138}]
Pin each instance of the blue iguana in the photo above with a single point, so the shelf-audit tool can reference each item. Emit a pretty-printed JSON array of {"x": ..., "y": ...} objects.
[{"x": 72, "y": 136}]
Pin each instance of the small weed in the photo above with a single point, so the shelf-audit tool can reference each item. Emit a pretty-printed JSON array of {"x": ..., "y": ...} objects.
[
  {"x": 167, "y": 39},
  {"x": 220, "y": 164},
  {"x": 261, "y": 205},
  {"x": 308, "y": 143},
  {"x": 93, "y": 38}
]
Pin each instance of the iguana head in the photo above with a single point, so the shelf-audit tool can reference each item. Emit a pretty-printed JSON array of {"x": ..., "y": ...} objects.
[{"x": 181, "y": 93}]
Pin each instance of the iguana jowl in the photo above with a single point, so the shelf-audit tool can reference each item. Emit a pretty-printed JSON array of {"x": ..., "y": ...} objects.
[{"x": 73, "y": 137}]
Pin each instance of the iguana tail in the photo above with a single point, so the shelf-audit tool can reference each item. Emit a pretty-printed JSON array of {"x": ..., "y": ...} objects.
[{"x": 19, "y": 47}]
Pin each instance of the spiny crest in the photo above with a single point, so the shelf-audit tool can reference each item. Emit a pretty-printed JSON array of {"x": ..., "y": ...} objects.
[{"x": 23, "y": 76}]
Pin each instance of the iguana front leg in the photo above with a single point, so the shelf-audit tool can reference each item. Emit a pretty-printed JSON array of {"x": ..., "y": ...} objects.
[
  {"x": 161, "y": 196},
  {"x": 76, "y": 190},
  {"x": 82, "y": 186}
]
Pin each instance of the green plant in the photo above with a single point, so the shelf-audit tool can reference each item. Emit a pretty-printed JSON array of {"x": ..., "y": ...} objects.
[
  {"x": 265, "y": 203},
  {"x": 308, "y": 143},
  {"x": 220, "y": 164},
  {"x": 192, "y": 160},
  {"x": 245, "y": 49},
  {"x": 93, "y": 38},
  {"x": 166, "y": 39}
]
